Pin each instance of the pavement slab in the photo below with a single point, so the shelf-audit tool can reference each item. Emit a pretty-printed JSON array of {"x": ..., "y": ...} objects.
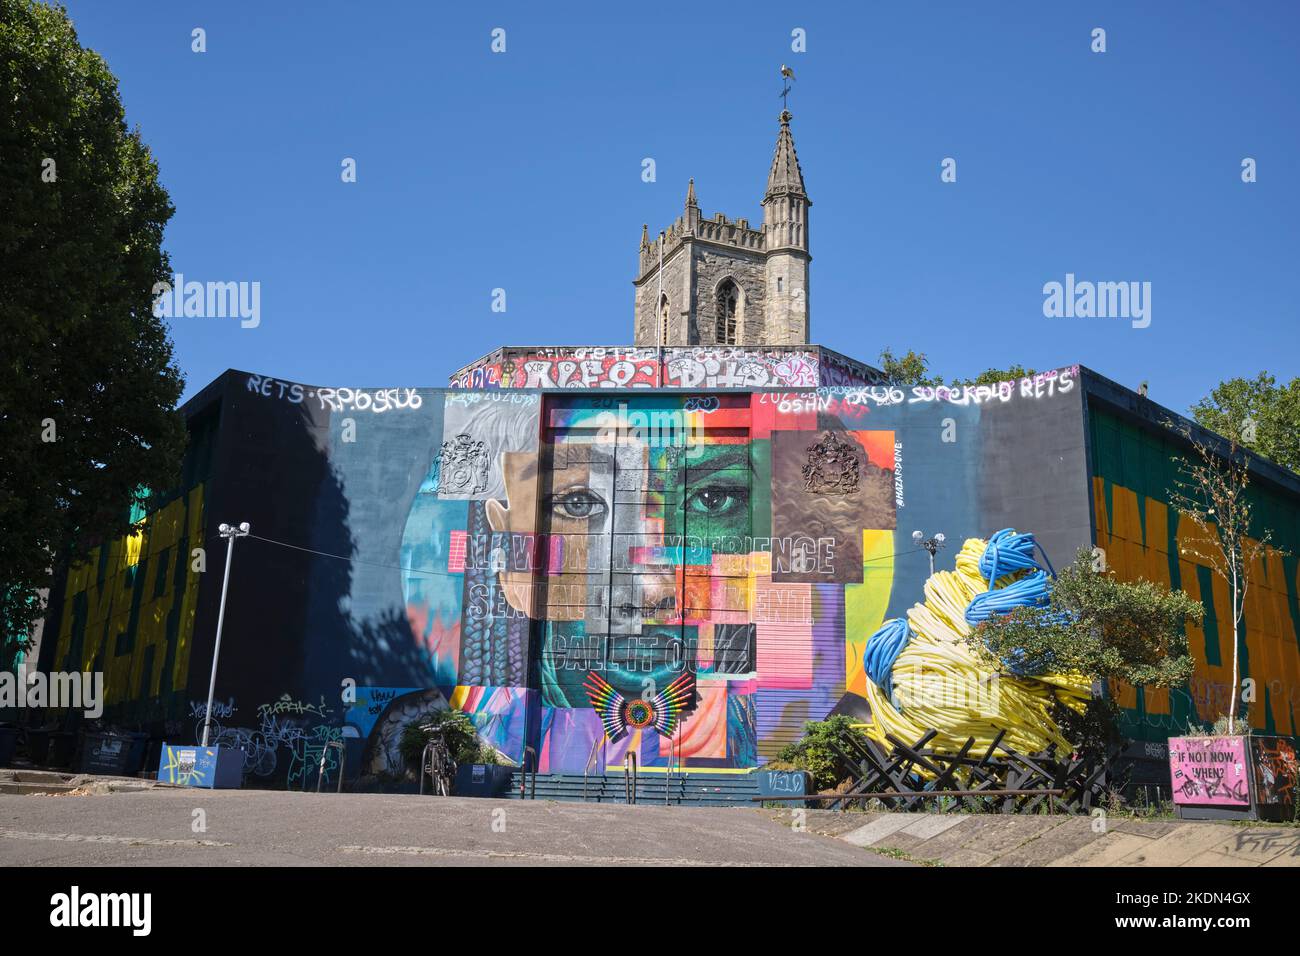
[
  {"x": 1176, "y": 847},
  {"x": 1060, "y": 841},
  {"x": 1108, "y": 850},
  {"x": 875, "y": 831}
]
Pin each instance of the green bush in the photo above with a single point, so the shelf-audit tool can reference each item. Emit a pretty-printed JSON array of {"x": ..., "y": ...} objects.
[
  {"x": 814, "y": 752},
  {"x": 460, "y": 735}
]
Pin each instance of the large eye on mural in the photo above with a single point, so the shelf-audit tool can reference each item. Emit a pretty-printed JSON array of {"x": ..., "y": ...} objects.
[
  {"x": 580, "y": 502},
  {"x": 717, "y": 501}
]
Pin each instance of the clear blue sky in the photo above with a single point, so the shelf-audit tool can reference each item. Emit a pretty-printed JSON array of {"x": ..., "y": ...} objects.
[{"x": 522, "y": 171}]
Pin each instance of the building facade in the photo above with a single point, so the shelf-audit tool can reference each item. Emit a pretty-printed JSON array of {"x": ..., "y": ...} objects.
[{"x": 503, "y": 550}]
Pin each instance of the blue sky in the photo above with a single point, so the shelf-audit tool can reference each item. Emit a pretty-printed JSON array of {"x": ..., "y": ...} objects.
[{"x": 522, "y": 171}]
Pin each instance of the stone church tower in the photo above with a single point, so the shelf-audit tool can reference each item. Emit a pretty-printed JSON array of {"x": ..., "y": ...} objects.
[{"x": 723, "y": 282}]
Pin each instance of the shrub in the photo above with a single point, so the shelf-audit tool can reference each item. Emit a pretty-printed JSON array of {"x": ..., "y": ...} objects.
[
  {"x": 815, "y": 751},
  {"x": 460, "y": 734}
]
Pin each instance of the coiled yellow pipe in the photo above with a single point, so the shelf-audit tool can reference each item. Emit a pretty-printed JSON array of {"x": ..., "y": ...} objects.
[{"x": 939, "y": 683}]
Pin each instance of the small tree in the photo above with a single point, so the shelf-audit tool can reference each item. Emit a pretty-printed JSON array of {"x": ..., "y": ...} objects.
[
  {"x": 1097, "y": 625},
  {"x": 1210, "y": 491},
  {"x": 991, "y": 376},
  {"x": 817, "y": 751},
  {"x": 911, "y": 368},
  {"x": 1106, "y": 629}
]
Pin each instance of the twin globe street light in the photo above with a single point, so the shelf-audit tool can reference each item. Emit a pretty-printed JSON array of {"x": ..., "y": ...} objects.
[
  {"x": 230, "y": 533},
  {"x": 931, "y": 545}
]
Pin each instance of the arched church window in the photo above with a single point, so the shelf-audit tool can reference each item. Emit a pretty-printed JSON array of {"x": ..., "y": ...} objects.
[
  {"x": 663, "y": 320},
  {"x": 727, "y": 313}
]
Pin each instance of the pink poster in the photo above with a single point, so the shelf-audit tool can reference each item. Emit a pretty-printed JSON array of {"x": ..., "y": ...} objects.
[{"x": 1209, "y": 770}]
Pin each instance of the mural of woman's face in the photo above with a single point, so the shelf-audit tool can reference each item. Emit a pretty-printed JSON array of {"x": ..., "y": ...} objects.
[{"x": 615, "y": 584}]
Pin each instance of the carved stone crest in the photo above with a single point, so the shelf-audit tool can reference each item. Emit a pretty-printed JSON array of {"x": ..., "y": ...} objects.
[
  {"x": 833, "y": 467},
  {"x": 463, "y": 466}
]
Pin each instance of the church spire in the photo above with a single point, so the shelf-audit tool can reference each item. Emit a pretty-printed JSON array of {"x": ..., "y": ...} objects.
[
  {"x": 785, "y": 178},
  {"x": 690, "y": 195}
]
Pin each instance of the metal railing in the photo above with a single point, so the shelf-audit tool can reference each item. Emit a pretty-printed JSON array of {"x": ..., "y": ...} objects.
[
  {"x": 674, "y": 759},
  {"x": 597, "y": 747},
  {"x": 526, "y": 776},
  {"x": 629, "y": 776},
  {"x": 343, "y": 756}
]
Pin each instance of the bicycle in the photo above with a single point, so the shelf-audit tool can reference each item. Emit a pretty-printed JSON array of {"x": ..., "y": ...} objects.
[{"x": 436, "y": 761}]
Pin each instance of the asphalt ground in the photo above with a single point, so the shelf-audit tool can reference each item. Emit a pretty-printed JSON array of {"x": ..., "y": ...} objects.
[{"x": 161, "y": 827}]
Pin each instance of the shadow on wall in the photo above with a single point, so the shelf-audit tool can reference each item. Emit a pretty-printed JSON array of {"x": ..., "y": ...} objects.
[{"x": 291, "y": 647}]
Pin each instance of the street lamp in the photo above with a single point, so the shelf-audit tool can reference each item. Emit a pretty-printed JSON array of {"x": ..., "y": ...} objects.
[
  {"x": 230, "y": 534},
  {"x": 930, "y": 544}
]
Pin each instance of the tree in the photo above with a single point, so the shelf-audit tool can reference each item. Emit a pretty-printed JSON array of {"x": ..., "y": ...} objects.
[
  {"x": 993, "y": 375},
  {"x": 88, "y": 391},
  {"x": 1097, "y": 625},
  {"x": 1210, "y": 491},
  {"x": 1258, "y": 413},
  {"x": 910, "y": 369},
  {"x": 913, "y": 368}
]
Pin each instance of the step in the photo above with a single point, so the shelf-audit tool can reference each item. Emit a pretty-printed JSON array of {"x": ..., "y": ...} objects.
[
  {"x": 695, "y": 789},
  {"x": 28, "y": 789}
]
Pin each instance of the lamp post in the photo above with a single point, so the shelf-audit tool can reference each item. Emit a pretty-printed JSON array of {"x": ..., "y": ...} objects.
[
  {"x": 230, "y": 533},
  {"x": 931, "y": 545}
]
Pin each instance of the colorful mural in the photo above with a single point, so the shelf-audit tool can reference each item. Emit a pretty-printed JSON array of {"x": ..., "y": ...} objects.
[
  {"x": 130, "y": 612},
  {"x": 684, "y": 575},
  {"x": 688, "y": 575}
]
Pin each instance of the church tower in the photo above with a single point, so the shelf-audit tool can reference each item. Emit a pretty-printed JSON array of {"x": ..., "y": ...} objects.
[{"x": 721, "y": 282}]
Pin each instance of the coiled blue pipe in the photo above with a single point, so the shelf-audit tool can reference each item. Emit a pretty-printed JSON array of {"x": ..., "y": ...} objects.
[
  {"x": 1008, "y": 551},
  {"x": 1033, "y": 590},
  {"x": 883, "y": 648}
]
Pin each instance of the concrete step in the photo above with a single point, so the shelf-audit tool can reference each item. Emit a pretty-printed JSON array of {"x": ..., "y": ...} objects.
[{"x": 27, "y": 789}]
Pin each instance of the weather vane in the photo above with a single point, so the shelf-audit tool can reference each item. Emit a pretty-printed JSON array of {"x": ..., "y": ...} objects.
[{"x": 787, "y": 76}]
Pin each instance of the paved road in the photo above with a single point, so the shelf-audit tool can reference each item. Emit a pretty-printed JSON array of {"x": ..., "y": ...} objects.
[{"x": 252, "y": 828}]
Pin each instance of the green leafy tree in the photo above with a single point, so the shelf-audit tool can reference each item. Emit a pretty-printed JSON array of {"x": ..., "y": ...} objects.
[
  {"x": 88, "y": 391},
  {"x": 994, "y": 375},
  {"x": 1104, "y": 628},
  {"x": 913, "y": 368},
  {"x": 816, "y": 751},
  {"x": 1258, "y": 414}
]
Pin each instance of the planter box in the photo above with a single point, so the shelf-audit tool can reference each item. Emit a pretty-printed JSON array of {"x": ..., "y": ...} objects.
[
  {"x": 1233, "y": 778},
  {"x": 119, "y": 755},
  {"x": 784, "y": 783},
  {"x": 213, "y": 768},
  {"x": 482, "y": 780}
]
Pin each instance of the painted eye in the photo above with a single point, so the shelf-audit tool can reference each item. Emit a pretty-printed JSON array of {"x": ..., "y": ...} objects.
[
  {"x": 578, "y": 503},
  {"x": 716, "y": 502}
]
